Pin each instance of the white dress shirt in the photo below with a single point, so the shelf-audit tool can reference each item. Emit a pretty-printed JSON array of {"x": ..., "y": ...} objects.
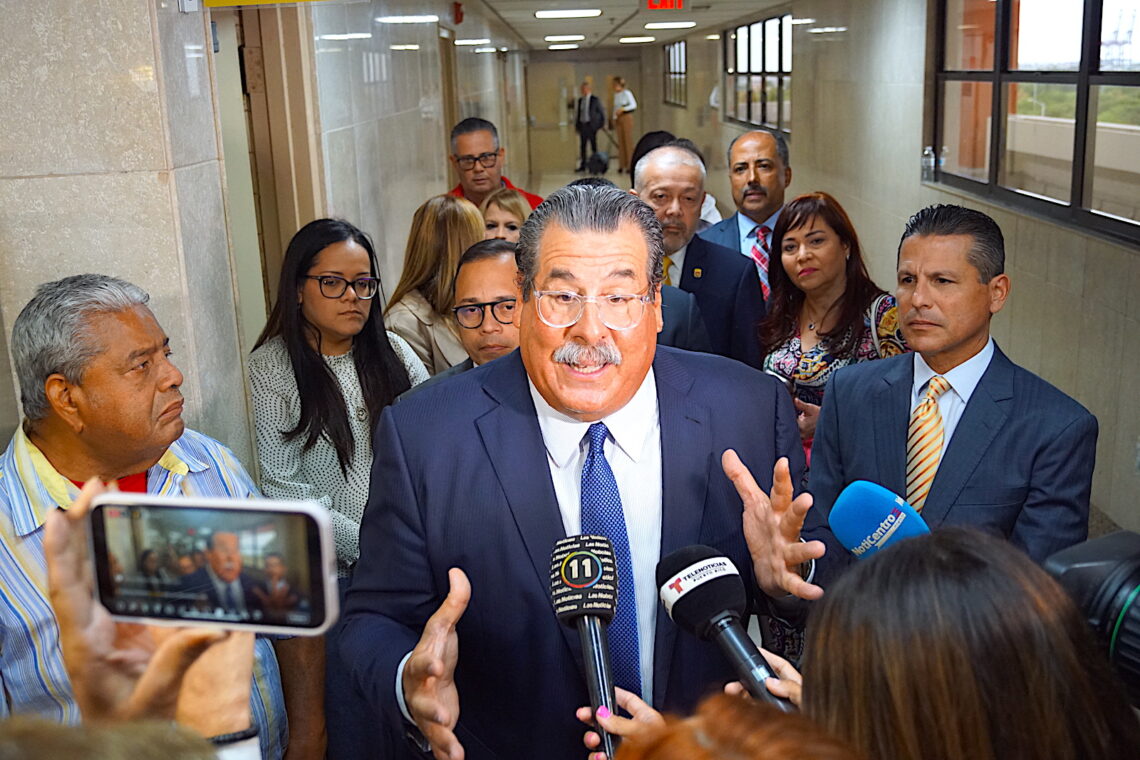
[
  {"x": 677, "y": 266},
  {"x": 625, "y": 101},
  {"x": 963, "y": 380},
  {"x": 633, "y": 450},
  {"x": 220, "y": 587}
]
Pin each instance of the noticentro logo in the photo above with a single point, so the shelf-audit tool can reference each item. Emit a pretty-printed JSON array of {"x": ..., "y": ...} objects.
[{"x": 882, "y": 533}]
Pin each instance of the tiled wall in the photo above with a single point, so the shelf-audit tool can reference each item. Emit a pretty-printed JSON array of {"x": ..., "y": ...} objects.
[
  {"x": 109, "y": 162},
  {"x": 381, "y": 111}
]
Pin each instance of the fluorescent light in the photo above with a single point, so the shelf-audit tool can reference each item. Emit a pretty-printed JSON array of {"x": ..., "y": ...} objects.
[
  {"x": 564, "y": 37},
  {"x": 350, "y": 36},
  {"x": 483, "y": 41},
  {"x": 583, "y": 13},
  {"x": 827, "y": 29},
  {"x": 671, "y": 25},
  {"x": 403, "y": 47},
  {"x": 503, "y": 49},
  {"x": 712, "y": 36},
  {"x": 485, "y": 50},
  {"x": 634, "y": 40},
  {"x": 562, "y": 47},
  {"x": 407, "y": 19},
  {"x": 796, "y": 21}
]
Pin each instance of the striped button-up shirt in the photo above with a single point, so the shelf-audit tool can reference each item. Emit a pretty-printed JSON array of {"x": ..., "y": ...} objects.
[{"x": 32, "y": 675}]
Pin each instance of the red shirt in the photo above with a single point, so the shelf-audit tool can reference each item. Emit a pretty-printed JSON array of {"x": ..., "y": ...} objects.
[
  {"x": 130, "y": 484},
  {"x": 531, "y": 198}
]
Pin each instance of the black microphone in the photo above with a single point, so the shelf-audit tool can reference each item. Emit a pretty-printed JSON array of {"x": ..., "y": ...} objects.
[
  {"x": 583, "y": 587},
  {"x": 704, "y": 595}
]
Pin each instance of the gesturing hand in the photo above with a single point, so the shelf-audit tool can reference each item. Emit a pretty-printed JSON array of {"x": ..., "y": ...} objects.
[
  {"x": 806, "y": 417},
  {"x": 772, "y": 529},
  {"x": 429, "y": 673},
  {"x": 645, "y": 720}
]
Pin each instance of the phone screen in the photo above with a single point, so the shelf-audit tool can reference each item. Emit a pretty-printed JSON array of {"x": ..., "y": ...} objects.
[{"x": 233, "y": 567}]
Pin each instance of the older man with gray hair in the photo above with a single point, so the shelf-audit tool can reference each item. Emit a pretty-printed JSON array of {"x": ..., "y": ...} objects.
[
  {"x": 101, "y": 399},
  {"x": 671, "y": 179},
  {"x": 590, "y": 427}
]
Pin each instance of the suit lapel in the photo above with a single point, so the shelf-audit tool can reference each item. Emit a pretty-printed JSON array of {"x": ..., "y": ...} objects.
[
  {"x": 516, "y": 451},
  {"x": 684, "y": 486},
  {"x": 892, "y": 418},
  {"x": 981, "y": 420}
]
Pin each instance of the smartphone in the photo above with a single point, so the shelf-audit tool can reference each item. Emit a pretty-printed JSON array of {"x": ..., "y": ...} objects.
[{"x": 249, "y": 564}]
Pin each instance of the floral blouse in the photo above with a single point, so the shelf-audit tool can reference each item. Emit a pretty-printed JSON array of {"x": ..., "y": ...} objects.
[{"x": 810, "y": 370}]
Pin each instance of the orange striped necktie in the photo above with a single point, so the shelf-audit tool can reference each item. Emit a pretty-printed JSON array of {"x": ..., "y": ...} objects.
[{"x": 924, "y": 443}]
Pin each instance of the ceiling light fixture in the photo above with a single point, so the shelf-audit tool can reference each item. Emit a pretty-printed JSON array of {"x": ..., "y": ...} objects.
[
  {"x": 635, "y": 40},
  {"x": 671, "y": 25},
  {"x": 483, "y": 41},
  {"x": 407, "y": 19},
  {"x": 349, "y": 36},
  {"x": 797, "y": 21},
  {"x": 827, "y": 29},
  {"x": 583, "y": 13},
  {"x": 564, "y": 37},
  {"x": 403, "y": 47},
  {"x": 712, "y": 36},
  {"x": 562, "y": 47}
]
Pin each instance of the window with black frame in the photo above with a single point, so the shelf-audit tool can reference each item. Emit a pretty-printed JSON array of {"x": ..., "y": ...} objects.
[
  {"x": 676, "y": 74},
  {"x": 1063, "y": 78},
  {"x": 757, "y": 87}
]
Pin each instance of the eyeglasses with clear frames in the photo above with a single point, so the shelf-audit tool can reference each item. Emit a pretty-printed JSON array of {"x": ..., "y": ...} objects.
[
  {"x": 618, "y": 311},
  {"x": 333, "y": 286},
  {"x": 467, "y": 163},
  {"x": 471, "y": 315}
]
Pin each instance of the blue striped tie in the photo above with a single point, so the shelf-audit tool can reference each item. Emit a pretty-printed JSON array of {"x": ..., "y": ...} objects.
[{"x": 602, "y": 515}]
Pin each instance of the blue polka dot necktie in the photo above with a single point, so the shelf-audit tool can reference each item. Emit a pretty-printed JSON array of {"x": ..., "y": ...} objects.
[{"x": 602, "y": 515}]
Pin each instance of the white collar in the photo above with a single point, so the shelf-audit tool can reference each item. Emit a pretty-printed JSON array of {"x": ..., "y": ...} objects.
[
  {"x": 630, "y": 426},
  {"x": 746, "y": 225},
  {"x": 963, "y": 379}
]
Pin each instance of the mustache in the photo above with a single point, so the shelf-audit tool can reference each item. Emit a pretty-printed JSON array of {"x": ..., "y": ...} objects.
[
  {"x": 755, "y": 188},
  {"x": 587, "y": 356}
]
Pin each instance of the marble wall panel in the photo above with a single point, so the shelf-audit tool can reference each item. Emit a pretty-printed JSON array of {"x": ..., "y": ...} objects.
[
  {"x": 78, "y": 89},
  {"x": 186, "y": 84}
]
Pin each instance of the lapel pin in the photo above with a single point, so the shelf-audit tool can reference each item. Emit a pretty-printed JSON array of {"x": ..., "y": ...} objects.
[{"x": 697, "y": 273}]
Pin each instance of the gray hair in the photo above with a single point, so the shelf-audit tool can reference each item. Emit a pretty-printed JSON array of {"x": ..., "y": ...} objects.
[
  {"x": 781, "y": 145},
  {"x": 580, "y": 208},
  {"x": 987, "y": 254},
  {"x": 470, "y": 125},
  {"x": 668, "y": 156},
  {"x": 52, "y": 334}
]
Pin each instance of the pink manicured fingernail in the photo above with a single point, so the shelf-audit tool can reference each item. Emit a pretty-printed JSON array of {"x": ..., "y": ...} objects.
[{"x": 603, "y": 712}]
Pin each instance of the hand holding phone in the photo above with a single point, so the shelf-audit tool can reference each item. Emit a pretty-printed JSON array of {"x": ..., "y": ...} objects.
[{"x": 199, "y": 676}]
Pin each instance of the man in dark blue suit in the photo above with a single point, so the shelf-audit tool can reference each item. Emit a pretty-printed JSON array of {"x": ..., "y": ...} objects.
[
  {"x": 999, "y": 449},
  {"x": 589, "y": 427},
  {"x": 759, "y": 169},
  {"x": 671, "y": 179},
  {"x": 220, "y": 583}
]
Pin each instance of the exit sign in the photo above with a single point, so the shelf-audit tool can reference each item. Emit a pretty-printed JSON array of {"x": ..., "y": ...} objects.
[{"x": 666, "y": 5}]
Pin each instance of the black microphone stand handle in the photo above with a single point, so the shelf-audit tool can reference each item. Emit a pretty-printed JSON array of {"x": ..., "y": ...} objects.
[
  {"x": 599, "y": 677},
  {"x": 751, "y": 667}
]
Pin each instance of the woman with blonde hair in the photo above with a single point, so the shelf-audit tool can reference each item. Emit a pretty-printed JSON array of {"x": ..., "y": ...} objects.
[
  {"x": 420, "y": 308},
  {"x": 504, "y": 212}
]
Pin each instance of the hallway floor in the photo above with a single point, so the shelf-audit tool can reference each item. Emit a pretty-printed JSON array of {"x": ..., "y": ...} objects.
[{"x": 545, "y": 183}]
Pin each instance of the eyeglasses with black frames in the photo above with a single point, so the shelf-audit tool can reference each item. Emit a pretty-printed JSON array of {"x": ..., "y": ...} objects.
[
  {"x": 471, "y": 315},
  {"x": 467, "y": 163},
  {"x": 618, "y": 311},
  {"x": 333, "y": 286}
]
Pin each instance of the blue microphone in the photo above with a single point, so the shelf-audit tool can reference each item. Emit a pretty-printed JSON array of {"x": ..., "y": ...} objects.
[{"x": 867, "y": 517}]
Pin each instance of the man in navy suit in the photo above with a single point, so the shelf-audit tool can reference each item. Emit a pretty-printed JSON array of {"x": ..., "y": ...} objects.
[
  {"x": 671, "y": 179},
  {"x": 759, "y": 168},
  {"x": 449, "y": 624},
  {"x": 221, "y": 584},
  {"x": 1009, "y": 453}
]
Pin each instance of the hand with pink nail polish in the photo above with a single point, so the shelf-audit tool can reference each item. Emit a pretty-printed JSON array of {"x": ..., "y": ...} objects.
[{"x": 643, "y": 721}]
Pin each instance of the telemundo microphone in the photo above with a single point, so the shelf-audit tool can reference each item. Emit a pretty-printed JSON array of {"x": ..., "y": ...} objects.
[
  {"x": 583, "y": 587},
  {"x": 704, "y": 595},
  {"x": 867, "y": 517}
]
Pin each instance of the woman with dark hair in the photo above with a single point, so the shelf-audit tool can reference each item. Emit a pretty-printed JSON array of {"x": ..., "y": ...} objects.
[
  {"x": 321, "y": 372},
  {"x": 947, "y": 646},
  {"x": 824, "y": 311},
  {"x": 154, "y": 578}
]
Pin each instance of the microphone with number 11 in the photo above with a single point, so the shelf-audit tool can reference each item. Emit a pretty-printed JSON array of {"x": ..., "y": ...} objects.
[
  {"x": 704, "y": 595},
  {"x": 583, "y": 587}
]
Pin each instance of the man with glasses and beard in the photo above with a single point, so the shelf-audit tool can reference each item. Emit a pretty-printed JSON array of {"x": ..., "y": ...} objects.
[
  {"x": 478, "y": 160},
  {"x": 589, "y": 428}
]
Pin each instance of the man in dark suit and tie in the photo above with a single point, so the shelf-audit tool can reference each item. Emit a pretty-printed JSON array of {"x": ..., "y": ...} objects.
[
  {"x": 956, "y": 428},
  {"x": 759, "y": 168},
  {"x": 589, "y": 116},
  {"x": 589, "y": 427},
  {"x": 671, "y": 179},
  {"x": 221, "y": 584}
]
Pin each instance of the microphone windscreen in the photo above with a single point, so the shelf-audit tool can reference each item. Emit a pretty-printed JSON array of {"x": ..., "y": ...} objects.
[
  {"x": 867, "y": 517},
  {"x": 583, "y": 578},
  {"x": 697, "y": 584}
]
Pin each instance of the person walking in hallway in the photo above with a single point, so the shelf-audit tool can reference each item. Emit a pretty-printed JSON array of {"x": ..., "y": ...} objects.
[
  {"x": 589, "y": 117},
  {"x": 624, "y": 106}
]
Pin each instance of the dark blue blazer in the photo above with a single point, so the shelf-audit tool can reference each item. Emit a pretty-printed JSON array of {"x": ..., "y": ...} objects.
[
  {"x": 1020, "y": 463},
  {"x": 726, "y": 232},
  {"x": 682, "y": 324},
  {"x": 728, "y": 293},
  {"x": 460, "y": 479}
]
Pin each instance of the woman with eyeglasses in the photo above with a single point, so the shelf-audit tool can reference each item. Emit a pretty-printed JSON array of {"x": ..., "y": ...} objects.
[{"x": 420, "y": 308}]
